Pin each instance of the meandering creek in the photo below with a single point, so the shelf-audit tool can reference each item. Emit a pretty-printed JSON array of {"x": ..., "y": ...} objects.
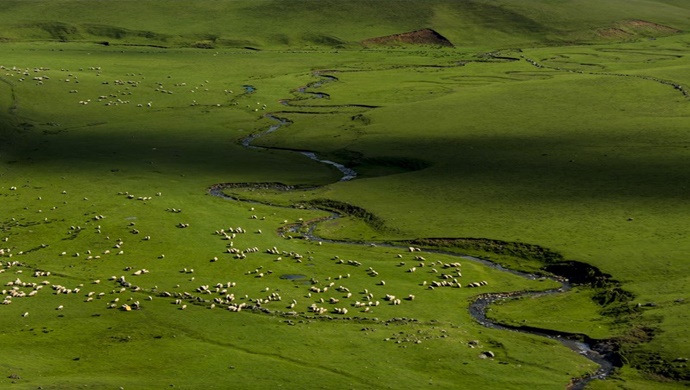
[{"x": 478, "y": 308}]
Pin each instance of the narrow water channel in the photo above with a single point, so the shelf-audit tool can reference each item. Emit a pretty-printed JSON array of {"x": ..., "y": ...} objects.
[{"x": 478, "y": 308}]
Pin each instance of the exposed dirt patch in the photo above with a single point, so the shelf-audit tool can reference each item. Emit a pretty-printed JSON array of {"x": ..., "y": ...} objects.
[
  {"x": 641, "y": 24},
  {"x": 614, "y": 33},
  {"x": 424, "y": 36},
  {"x": 631, "y": 28}
]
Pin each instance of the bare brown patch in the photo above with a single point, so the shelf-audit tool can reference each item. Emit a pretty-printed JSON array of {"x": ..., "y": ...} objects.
[
  {"x": 424, "y": 36},
  {"x": 644, "y": 25},
  {"x": 614, "y": 33},
  {"x": 630, "y": 28}
]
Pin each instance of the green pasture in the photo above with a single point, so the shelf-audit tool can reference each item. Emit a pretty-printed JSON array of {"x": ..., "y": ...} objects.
[
  {"x": 571, "y": 136},
  {"x": 595, "y": 170},
  {"x": 321, "y": 24},
  {"x": 67, "y": 167},
  {"x": 587, "y": 319}
]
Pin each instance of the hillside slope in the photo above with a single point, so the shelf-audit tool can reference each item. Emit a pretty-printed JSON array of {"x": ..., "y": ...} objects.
[{"x": 330, "y": 23}]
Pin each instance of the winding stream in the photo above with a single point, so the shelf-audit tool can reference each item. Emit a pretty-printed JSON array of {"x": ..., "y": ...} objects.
[
  {"x": 347, "y": 173},
  {"x": 478, "y": 308}
]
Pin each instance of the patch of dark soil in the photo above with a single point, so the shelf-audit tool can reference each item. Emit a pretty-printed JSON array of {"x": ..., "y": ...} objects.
[
  {"x": 657, "y": 367},
  {"x": 616, "y": 302},
  {"x": 612, "y": 295},
  {"x": 579, "y": 273},
  {"x": 424, "y": 36}
]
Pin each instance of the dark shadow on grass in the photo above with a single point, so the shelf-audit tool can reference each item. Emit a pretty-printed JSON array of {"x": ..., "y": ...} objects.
[
  {"x": 565, "y": 167},
  {"x": 556, "y": 168},
  {"x": 104, "y": 150}
]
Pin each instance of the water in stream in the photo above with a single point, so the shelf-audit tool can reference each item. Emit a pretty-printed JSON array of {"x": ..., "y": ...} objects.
[{"x": 478, "y": 307}]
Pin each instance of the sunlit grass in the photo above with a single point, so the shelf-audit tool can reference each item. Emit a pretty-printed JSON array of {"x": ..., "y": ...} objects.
[{"x": 584, "y": 154}]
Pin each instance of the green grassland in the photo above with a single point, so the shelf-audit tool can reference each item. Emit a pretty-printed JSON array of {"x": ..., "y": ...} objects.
[
  {"x": 274, "y": 23},
  {"x": 556, "y": 124}
]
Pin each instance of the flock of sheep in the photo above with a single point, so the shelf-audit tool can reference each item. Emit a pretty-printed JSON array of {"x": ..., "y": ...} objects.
[
  {"x": 122, "y": 92},
  {"x": 339, "y": 294},
  {"x": 324, "y": 295}
]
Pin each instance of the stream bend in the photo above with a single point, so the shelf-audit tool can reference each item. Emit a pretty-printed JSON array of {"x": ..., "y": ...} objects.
[{"x": 591, "y": 349}]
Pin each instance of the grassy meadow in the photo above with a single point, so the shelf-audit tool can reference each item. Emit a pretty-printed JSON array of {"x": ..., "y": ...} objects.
[{"x": 559, "y": 126}]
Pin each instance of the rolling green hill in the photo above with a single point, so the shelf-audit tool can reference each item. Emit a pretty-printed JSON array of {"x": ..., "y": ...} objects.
[
  {"x": 540, "y": 132},
  {"x": 331, "y": 23}
]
